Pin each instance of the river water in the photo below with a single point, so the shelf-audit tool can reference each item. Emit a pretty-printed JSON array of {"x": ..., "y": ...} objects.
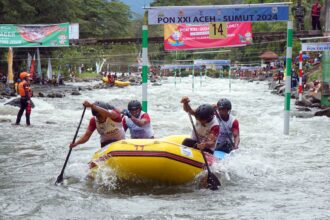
[{"x": 271, "y": 176}]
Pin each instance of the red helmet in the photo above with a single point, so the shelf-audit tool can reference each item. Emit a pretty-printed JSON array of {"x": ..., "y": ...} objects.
[{"x": 22, "y": 75}]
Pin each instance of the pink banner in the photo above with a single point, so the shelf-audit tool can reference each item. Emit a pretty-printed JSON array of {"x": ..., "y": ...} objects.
[{"x": 189, "y": 37}]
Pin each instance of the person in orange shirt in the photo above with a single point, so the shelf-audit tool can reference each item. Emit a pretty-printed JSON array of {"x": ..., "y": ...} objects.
[{"x": 25, "y": 92}]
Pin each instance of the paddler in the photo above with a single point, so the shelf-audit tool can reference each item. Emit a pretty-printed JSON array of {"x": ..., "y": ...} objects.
[
  {"x": 25, "y": 92},
  {"x": 228, "y": 138},
  {"x": 207, "y": 127},
  {"x": 106, "y": 120},
  {"x": 137, "y": 121}
]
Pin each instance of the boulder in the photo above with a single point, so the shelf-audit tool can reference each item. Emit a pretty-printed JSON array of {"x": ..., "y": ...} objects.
[
  {"x": 17, "y": 102},
  {"x": 75, "y": 93},
  {"x": 59, "y": 95},
  {"x": 4, "y": 120},
  {"x": 324, "y": 112},
  {"x": 40, "y": 94}
]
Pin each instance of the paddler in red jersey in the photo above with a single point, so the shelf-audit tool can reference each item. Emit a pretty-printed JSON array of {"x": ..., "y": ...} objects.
[{"x": 207, "y": 127}]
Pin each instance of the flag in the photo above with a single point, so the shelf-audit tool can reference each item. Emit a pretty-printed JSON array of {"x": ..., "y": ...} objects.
[
  {"x": 32, "y": 67},
  {"x": 39, "y": 64},
  {"x": 49, "y": 70},
  {"x": 10, "y": 77},
  {"x": 29, "y": 60},
  {"x": 58, "y": 75}
]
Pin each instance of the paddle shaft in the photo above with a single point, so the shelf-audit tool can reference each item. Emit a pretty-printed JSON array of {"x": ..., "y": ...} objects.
[
  {"x": 224, "y": 125},
  {"x": 197, "y": 138},
  {"x": 60, "y": 177}
]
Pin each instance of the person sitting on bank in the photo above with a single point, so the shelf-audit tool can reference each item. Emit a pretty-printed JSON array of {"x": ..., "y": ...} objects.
[
  {"x": 25, "y": 92},
  {"x": 137, "y": 121},
  {"x": 106, "y": 120},
  {"x": 229, "y": 128},
  {"x": 207, "y": 127}
]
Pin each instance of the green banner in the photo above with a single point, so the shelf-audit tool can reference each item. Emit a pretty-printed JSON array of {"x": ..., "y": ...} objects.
[{"x": 41, "y": 35}]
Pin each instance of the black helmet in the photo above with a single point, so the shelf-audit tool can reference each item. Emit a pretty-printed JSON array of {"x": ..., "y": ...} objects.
[
  {"x": 102, "y": 105},
  {"x": 224, "y": 104},
  {"x": 134, "y": 105},
  {"x": 204, "y": 112}
]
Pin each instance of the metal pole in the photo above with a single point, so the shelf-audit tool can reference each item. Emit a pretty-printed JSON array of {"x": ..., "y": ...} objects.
[
  {"x": 300, "y": 88},
  {"x": 174, "y": 77},
  {"x": 145, "y": 63},
  {"x": 229, "y": 72},
  {"x": 193, "y": 78},
  {"x": 200, "y": 77},
  {"x": 288, "y": 78}
]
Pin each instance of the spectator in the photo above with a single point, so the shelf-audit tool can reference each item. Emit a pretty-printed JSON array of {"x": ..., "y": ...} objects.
[{"x": 316, "y": 11}]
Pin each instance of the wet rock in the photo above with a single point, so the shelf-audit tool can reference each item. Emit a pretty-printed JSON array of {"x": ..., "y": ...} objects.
[
  {"x": 59, "y": 95},
  {"x": 304, "y": 109},
  {"x": 51, "y": 95},
  {"x": 75, "y": 93},
  {"x": 79, "y": 88},
  {"x": 40, "y": 94},
  {"x": 4, "y": 120},
  {"x": 325, "y": 112},
  {"x": 17, "y": 102},
  {"x": 316, "y": 105}
]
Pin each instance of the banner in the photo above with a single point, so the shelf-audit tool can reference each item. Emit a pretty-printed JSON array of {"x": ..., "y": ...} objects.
[
  {"x": 189, "y": 37},
  {"x": 49, "y": 35},
  {"x": 218, "y": 13},
  {"x": 322, "y": 46}
]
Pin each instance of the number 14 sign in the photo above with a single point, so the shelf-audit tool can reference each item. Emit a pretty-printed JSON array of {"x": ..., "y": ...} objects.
[{"x": 218, "y": 30}]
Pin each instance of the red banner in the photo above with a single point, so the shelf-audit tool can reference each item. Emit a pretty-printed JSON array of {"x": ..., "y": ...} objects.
[{"x": 189, "y": 37}]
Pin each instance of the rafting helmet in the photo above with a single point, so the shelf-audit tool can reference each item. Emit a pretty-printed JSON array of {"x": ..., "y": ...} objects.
[
  {"x": 22, "y": 75},
  {"x": 204, "y": 112},
  {"x": 134, "y": 105},
  {"x": 102, "y": 105},
  {"x": 224, "y": 104}
]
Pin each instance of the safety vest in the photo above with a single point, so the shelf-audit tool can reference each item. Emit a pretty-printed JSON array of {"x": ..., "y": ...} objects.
[
  {"x": 138, "y": 132},
  {"x": 225, "y": 131},
  {"x": 110, "y": 130},
  {"x": 22, "y": 87},
  {"x": 204, "y": 131}
]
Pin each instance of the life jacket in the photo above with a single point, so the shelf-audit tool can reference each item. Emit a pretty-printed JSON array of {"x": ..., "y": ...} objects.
[
  {"x": 138, "y": 132},
  {"x": 110, "y": 130},
  {"x": 22, "y": 89},
  {"x": 204, "y": 131},
  {"x": 316, "y": 10},
  {"x": 225, "y": 131}
]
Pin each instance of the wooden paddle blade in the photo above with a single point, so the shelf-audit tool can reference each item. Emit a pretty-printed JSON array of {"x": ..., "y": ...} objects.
[{"x": 213, "y": 183}]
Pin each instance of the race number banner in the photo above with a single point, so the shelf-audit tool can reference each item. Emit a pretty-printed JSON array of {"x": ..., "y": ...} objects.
[
  {"x": 213, "y": 35},
  {"x": 322, "y": 46},
  {"x": 49, "y": 35},
  {"x": 218, "y": 13}
]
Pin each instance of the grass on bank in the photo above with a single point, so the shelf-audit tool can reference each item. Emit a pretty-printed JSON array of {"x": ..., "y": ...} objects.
[{"x": 88, "y": 75}]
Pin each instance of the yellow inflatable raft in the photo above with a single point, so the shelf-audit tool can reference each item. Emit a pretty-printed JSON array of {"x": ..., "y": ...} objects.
[
  {"x": 117, "y": 82},
  {"x": 159, "y": 160}
]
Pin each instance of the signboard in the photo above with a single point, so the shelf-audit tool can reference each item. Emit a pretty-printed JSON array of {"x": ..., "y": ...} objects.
[
  {"x": 74, "y": 31},
  {"x": 215, "y": 62},
  {"x": 218, "y": 13},
  {"x": 322, "y": 46},
  {"x": 48, "y": 35},
  {"x": 188, "y": 37},
  {"x": 179, "y": 66}
]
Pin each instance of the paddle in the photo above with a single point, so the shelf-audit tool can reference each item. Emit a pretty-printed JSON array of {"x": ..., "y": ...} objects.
[
  {"x": 220, "y": 119},
  {"x": 60, "y": 177},
  {"x": 213, "y": 182}
]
